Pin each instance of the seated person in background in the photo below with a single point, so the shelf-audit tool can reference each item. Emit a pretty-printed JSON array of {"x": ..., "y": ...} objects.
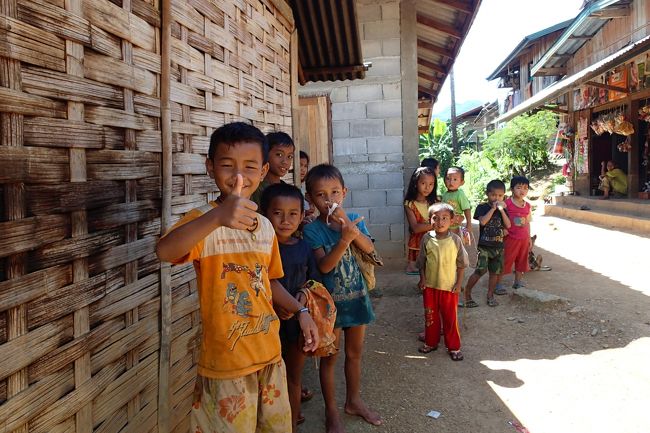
[{"x": 612, "y": 180}]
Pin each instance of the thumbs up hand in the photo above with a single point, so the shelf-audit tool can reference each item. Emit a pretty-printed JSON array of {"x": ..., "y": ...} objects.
[
  {"x": 349, "y": 229},
  {"x": 236, "y": 211}
]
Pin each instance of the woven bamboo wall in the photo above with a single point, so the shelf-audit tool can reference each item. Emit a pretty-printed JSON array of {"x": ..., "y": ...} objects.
[{"x": 81, "y": 186}]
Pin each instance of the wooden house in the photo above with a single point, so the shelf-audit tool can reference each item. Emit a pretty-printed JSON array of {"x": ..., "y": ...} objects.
[
  {"x": 603, "y": 59},
  {"x": 105, "y": 116}
]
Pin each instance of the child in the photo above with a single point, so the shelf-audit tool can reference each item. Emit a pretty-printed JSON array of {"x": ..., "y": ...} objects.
[
  {"x": 282, "y": 204},
  {"x": 281, "y": 149},
  {"x": 517, "y": 242},
  {"x": 442, "y": 262},
  {"x": 493, "y": 219},
  {"x": 304, "y": 167},
  {"x": 331, "y": 236},
  {"x": 419, "y": 196},
  {"x": 454, "y": 179},
  {"x": 434, "y": 165},
  {"x": 241, "y": 383}
]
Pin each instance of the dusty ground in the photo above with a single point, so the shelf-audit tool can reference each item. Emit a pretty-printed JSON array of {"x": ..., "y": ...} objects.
[{"x": 578, "y": 366}]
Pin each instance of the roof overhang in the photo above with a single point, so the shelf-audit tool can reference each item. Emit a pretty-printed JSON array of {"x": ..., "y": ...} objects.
[
  {"x": 441, "y": 28},
  {"x": 568, "y": 83},
  {"x": 589, "y": 21},
  {"x": 329, "y": 42}
]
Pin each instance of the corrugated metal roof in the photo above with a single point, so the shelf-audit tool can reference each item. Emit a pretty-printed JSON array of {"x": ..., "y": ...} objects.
[
  {"x": 566, "y": 84},
  {"x": 442, "y": 26},
  {"x": 330, "y": 47},
  {"x": 589, "y": 21}
]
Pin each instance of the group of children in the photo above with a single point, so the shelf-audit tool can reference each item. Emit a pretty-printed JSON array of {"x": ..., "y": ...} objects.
[
  {"x": 437, "y": 246},
  {"x": 250, "y": 269}
]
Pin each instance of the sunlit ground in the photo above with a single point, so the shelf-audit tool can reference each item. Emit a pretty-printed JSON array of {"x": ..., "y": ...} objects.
[
  {"x": 620, "y": 256},
  {"x": 607, "y": 391}
]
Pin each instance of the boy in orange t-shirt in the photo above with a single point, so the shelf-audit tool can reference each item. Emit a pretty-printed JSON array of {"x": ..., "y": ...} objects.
[{"x": 241, "y": 384}]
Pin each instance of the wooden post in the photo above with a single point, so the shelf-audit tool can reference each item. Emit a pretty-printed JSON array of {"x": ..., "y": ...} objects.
[
  {"x": 454, "y": 133},
  {"x": 166, "y": 213},
  {"x": 295, "y": 102}
]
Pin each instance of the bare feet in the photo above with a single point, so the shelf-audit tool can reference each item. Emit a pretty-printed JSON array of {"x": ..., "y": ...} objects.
[
  {"x": 333, "y": 423},
  {"x": 360, "y": 409}
]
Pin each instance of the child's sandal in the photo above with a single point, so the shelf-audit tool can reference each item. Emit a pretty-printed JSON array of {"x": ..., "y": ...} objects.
[
  {"x": 427, "y": 349},
  {"x": 456, "y": 355}
]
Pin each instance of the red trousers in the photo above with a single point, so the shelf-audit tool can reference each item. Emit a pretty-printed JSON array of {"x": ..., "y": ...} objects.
[{"x": 437, "y": 304}]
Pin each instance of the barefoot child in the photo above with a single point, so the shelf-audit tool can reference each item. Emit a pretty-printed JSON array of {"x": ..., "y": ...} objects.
[
  {"x": 517, "y": 243},
  {"x": 237, "y": 262},
  {"x": 331, "y": 236},
  {"x": 282, "y": 204},
  {"x": 493, "y": 219},
  {"x": 419, "y": 196},
  {"x": 442, "y": 262}
]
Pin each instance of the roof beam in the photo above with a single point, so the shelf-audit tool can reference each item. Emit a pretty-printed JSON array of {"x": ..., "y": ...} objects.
[
  {"x": 435, "y": 48},
  {"x": 458, "y": 5},
  {"x": 441, "y": 27},
  {"x": 425, "y": 103},
  {"x": 554, "y": 109},
  {"x": 620, "y": 12},
  {"x": 607, "y": 86},
  {"x": 551, "y": 71},
  {"x": 429, "y": 77},
  {"x": 431, "y": 65},
  {"x": 427, "y": 91},
  {"x": 582, "y": 38}
]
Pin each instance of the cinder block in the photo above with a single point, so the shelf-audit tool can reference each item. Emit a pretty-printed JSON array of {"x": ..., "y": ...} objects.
[
  {"x": 395, "y": 157},
  {"x": 390, "y": 47},
  {"x": 395, "y": 197},
  {"x": 359, "y": 211},
  {"x": 376, "y": 157},
  {"x": 356, "y": 181},
  {"x": 339, "y": 94},
  {"x": 369, "y": 198},
  {"x": 391, "y": 250},
  {"x": 367, "y": 128},
  {"x": 385, "y": 145},
  {"x": 340, "y": 160},
  {"x": 379, "y": 232},
  {"x": 385, "y": 66},
  {"x": 349, "y": 110},
  {"x": 365, "y": 92},
  {"x": 368, "y": 12},
  {"x": 393, "y": 126},
  {"x": 340, "y": 129},
  {"x": 350, "y": 146},
  {"x": 387, "y": 215},
  {"x": 358, "y": 158},
  {"x": 347, "y": 202},
  {"x": 384, "y": 109},
  {"x": 385, "y": 29},
  {"x": 397, "y": 232},
  {"x": 371, "y": 49},
  {"x": 392, "y": 91},
  {"x": 390, "y": 11},
  {"x": 386, "y": 180}
]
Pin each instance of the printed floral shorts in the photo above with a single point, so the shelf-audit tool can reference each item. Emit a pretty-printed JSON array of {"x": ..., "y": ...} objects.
[{"x": 255, "y": 403}]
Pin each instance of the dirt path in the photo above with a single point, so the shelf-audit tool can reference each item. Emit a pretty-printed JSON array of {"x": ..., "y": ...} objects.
[{"x": 576, "y": 367}]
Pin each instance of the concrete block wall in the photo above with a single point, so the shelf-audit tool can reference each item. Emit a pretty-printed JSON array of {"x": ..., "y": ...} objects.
[{"x": 367, "y": 127}]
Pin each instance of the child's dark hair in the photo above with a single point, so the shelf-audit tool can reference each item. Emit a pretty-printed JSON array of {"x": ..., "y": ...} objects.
[
  {"x": 494, "y": 185},
  {"x": 238, "y": 132},
  {"x": 437, "y": 207},
  {"x": 459, "y": 170},
  {"x": 303, "y": 155},
  {"x": 279, "y": 138},
  {"x": 432, "y": 163},
  {"x": 280, "y": 190},
  {"x": 519, "y": 180},
  {"x": 412, "y": 190},
  {"x": 322, "y": 171}
]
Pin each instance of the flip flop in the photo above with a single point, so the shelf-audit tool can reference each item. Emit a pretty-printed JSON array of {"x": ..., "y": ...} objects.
[
  {"x": 500, "y": 291},
  {"x": 544, "y": 268},
  {"x": 301, "y": 419},
  {"x": 469, "y": 304},
  {"x": 492, "y": 302},
  {"x": 456, "y": 355},
  {"x": 426, "y": 349}
]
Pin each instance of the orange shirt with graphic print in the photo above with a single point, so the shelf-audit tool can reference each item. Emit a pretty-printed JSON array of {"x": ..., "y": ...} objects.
[{"x": 233, "y": 270}]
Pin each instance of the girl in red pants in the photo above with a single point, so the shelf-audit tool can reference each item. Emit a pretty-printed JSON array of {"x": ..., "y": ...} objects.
[{"x": 442, "y": 262}]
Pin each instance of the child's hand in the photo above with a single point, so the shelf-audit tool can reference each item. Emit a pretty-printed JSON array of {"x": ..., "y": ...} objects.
[
  {"x": 421, "y": 283},
  {"x": 237, "y": 212},
  {"x": 349, "y": 229},
  {"x": 309, "y": 332},
  {"x": 456, "y": 288}
]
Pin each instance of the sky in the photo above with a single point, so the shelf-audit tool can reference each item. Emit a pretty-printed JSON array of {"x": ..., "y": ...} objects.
[{"x": 497, "y": 29}]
